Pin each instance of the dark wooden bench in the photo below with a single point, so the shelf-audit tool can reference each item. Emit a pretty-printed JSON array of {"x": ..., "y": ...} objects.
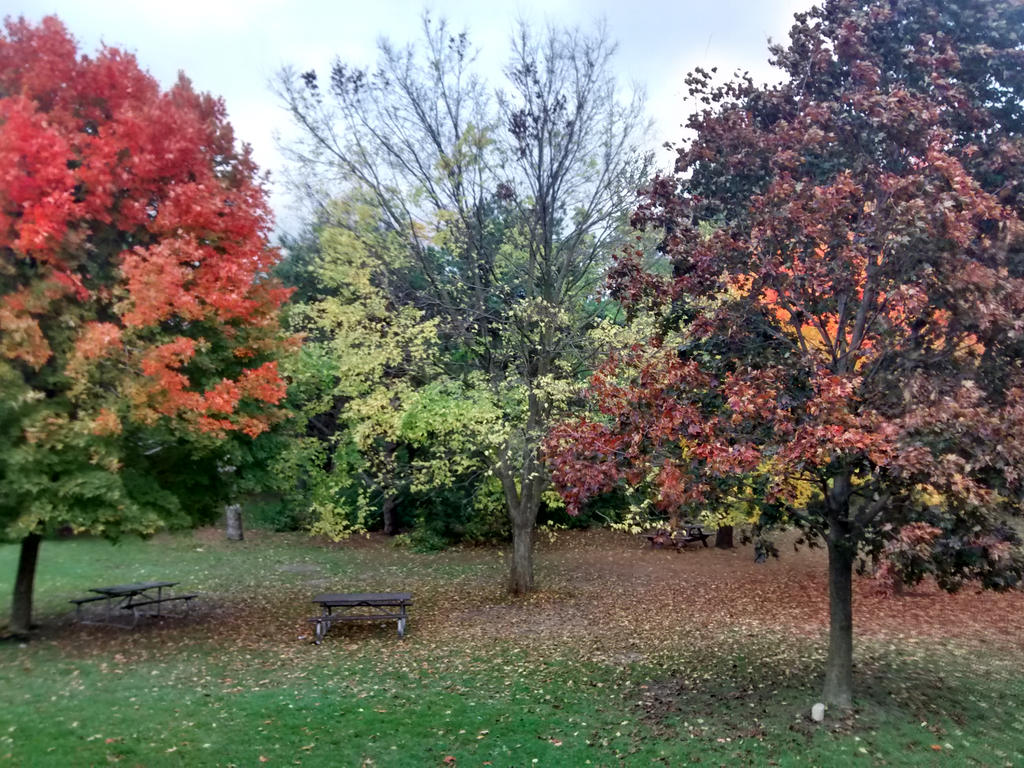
[
  {"x": 78, "y": 601},
  {"x": 160, "y": 601},
  {"x": 129, "y": 597},
  {"x": 167, "y": 599},
  {"x": 93, "y": 598},
  {"x": 693, "y": 533},
  {"x": 678, "y": 538},
  {"x": 660, "y": 538},
  {"x": 360, "y": 606}
]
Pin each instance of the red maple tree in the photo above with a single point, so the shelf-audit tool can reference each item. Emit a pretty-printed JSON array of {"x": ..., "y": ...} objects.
[
  {"x": 134, "y": 289},
  {"x": 847, "y": 300}
]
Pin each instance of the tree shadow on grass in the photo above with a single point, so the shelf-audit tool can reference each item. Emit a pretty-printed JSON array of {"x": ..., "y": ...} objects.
[{"x": 750, "y": 696}]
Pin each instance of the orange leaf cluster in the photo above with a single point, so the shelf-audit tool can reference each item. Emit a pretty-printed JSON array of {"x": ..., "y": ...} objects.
[{"x": 149, "y": 243}]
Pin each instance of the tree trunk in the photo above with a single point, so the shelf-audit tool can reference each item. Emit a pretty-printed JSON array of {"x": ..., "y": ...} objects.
[
  {"x": 388, "y": 512},
  {"x": 233, "y": 516},
  {"x": 522, "y": 513},
  {"x": 523, "y": 498},
  {"x": 723, "y": 538},
  {"x": 520, "y": 579},
  {"x": 24, "y": 583},
  {"x": 899, "y": 588},
  {"x": 838, "y": 690},
  {"x": 523, "y": 502}
]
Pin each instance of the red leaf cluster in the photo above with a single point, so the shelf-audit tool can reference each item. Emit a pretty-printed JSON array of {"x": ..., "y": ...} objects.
[
  {"x": 128, "y": 214},
  {"x": 847, "y": 271}
]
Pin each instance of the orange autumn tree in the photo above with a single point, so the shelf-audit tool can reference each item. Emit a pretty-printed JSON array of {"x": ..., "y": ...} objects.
[
  {"x": 846, "y": 312},
  {"x": 137, "y": 320}
]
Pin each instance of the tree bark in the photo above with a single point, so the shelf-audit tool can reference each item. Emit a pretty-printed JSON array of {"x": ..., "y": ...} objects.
[
  {"x": 838, "y": 691},
  {"x": 723, "y": 538},
  {"x": 388, "y": 512},
  {"x": 233, "y": 517},
  {"x": 520, "y": 580},
  {"x": 522, "y": 499},
  {"x": 24, "y": 584},
  {"x": 522, "y": 513},
  {"x": 898, "y": 587}
]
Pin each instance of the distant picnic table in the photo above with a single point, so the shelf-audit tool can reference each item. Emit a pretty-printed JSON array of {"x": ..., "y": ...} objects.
[
  {"x": 360, "y": 606},
  {"x": 129, "y": 597},
  {"x": 678, "y": 538}
]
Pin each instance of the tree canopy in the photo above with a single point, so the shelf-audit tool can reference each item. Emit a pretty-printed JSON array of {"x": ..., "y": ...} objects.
[
  {"x": 138, "y": 324},
  {"x": 845, "y": 320},
  {"x": 504, "y": 207}
]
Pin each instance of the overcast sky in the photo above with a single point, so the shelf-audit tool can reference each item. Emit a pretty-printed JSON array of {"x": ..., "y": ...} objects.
[{"x": 232, "y": 48}]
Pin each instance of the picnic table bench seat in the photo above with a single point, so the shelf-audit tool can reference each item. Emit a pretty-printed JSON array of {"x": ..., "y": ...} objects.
[
  {"x": 155, "y": 601},
  {"x": 80, "y": 601},
  {"x": 678, "y": 538},
  {"x": 135, "y": 605},
  {"x": 90, "y": 599},
  {"x": 129, "y": 597},
  {"x": 360, "y": 606}
]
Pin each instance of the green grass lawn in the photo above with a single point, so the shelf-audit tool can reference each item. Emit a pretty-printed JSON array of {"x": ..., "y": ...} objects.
[{"x": 240, "y": 684}]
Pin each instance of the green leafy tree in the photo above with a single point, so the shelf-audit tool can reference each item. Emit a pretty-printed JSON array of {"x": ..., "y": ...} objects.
[
  {"x": 137, "y": 324},
  {"x": 506, "y": 207},
  {"x": 379, "y": 397}
]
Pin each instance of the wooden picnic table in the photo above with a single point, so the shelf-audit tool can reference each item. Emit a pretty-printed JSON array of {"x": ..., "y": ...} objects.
[
  {"x": 130, "y": 597},
  {"x": 360, "y": 606},
  {"x": 678, "y": 538}
]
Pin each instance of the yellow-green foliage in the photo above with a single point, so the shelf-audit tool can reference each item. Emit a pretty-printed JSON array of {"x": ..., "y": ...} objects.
[
  {"x": 367, "y": 338},
  {"x": 381, "y": 364},
  {"x": 338, "y": 521},
  {"x": 612, "y": 335},
  {"x": 457, "y": 422}
]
